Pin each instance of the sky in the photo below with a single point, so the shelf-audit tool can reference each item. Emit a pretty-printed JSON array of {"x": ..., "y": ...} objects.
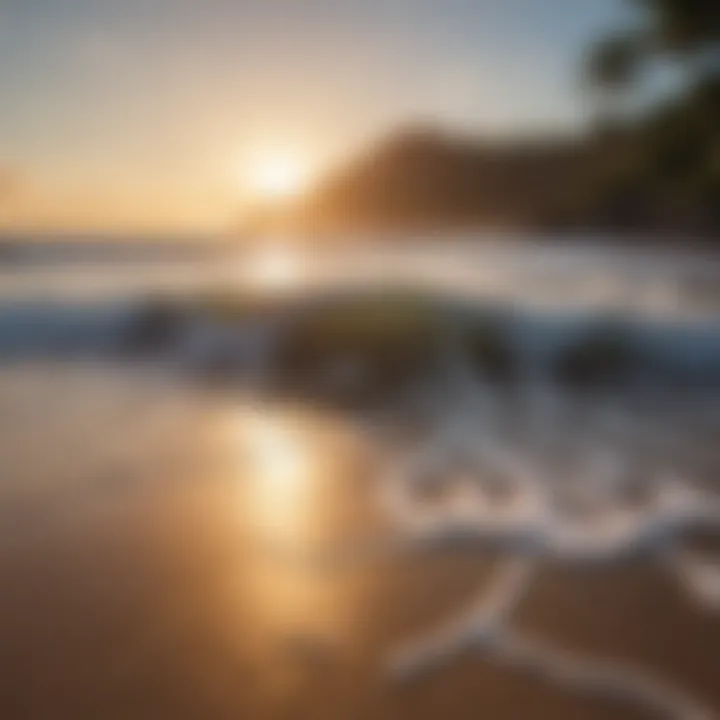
[{"x": 149, "y": 114}]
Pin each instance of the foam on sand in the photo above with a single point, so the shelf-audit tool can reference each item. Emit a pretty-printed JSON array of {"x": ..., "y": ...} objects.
[{"x": 466, "y": 484}]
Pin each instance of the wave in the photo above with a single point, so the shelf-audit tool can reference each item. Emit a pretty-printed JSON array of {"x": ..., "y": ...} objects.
[{"x": 345, "y": 337}]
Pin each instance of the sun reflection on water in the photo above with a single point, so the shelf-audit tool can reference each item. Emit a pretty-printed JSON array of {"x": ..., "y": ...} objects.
[{"x": 274, "y": 268}]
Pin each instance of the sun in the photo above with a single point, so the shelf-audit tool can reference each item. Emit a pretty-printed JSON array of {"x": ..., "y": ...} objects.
[{"x": 276, "y": 176}]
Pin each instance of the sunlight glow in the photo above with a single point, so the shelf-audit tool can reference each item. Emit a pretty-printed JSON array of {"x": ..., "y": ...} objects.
[
  {"x": 274, "y": 268},
  {"x": 276, "y": 176}
]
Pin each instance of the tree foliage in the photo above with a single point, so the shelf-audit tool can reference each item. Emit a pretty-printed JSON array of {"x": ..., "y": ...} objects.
[
  {"x": 676, "y": 29},
  {"x": 671, "y": 169}
]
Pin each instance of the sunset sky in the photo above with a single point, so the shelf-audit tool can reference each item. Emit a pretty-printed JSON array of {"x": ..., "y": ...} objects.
[{"x": 154, "y": 114}]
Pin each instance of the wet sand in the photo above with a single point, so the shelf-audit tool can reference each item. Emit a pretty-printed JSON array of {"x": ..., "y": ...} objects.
[{"x": 143, "y": 529}]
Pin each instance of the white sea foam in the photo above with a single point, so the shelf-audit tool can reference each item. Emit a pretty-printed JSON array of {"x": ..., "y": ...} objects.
[{"x": 469, "y": 483}]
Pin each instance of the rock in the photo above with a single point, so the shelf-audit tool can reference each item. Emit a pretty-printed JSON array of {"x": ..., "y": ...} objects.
[
  {"x": 361, "y": 351},
  {"x": 156, "y": 327},
  {"x": 603, "y": 355}
]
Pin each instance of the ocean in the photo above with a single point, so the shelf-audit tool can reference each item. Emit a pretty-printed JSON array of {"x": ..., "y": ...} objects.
[{"x": 192, "y": 527}]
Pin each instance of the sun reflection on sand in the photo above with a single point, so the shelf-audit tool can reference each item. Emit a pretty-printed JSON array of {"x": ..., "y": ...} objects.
[
  {"x": 278, "y": 467},
  {"x": 293, "y": 471}
]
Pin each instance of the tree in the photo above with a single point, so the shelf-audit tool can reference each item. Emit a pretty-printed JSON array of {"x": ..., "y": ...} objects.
[
  {"x": 687, "y": 30},
  {"x": 669, "y": 172}
]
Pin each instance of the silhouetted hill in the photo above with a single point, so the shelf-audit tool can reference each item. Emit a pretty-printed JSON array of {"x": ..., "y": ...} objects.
[
  {"x": 425, "y": 178},
  {"x": 659, "y": 173}
]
